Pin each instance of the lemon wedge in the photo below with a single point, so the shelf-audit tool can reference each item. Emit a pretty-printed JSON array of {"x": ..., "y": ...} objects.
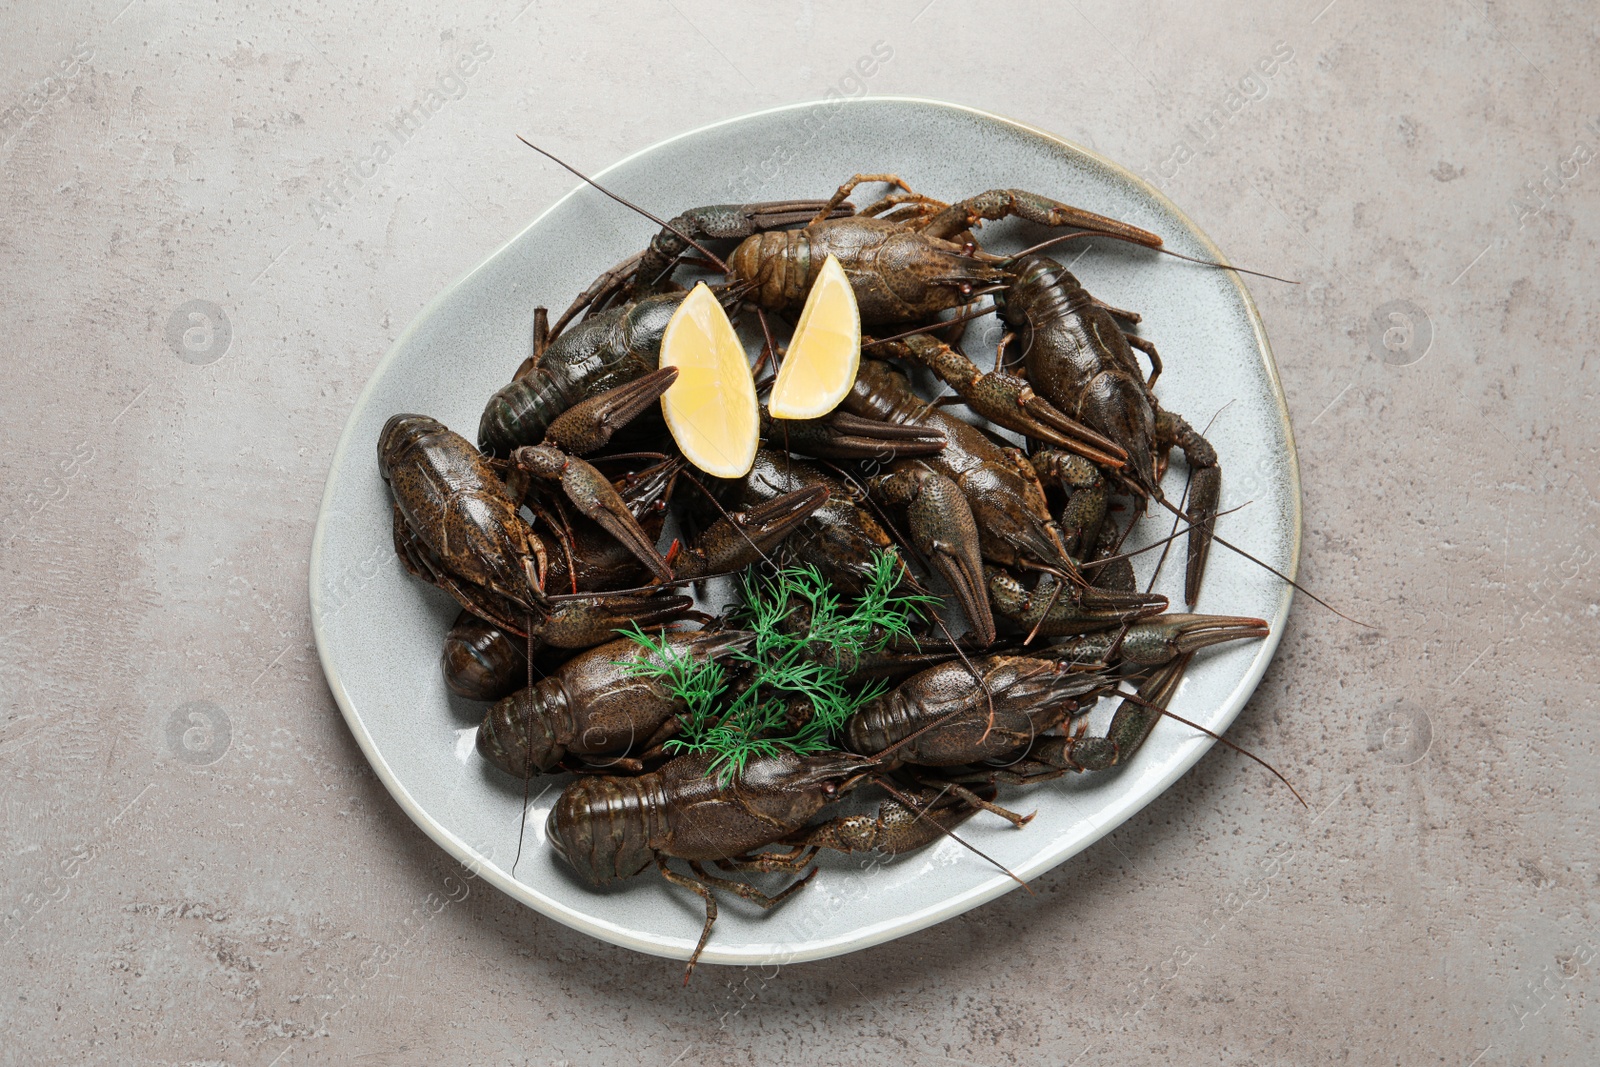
[
  {"x": 825, "y": 352},
  {"x": 711, "y": 408}
]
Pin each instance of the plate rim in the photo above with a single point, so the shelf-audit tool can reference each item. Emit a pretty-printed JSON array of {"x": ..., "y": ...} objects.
[{"x": 479, "y": 865}]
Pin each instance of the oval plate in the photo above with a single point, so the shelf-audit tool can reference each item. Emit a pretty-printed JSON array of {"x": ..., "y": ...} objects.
[{"x": 378, "y": 630}]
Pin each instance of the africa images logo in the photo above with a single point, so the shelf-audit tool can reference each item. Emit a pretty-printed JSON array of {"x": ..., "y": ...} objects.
[
  {"x": 54, "y": 86},
  {"x": 450, "y": 85}
]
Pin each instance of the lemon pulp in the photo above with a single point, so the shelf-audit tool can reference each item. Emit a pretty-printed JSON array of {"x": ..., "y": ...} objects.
[
  {"x": 825, "y": 352},
  {"x": 711, "y": 408}
]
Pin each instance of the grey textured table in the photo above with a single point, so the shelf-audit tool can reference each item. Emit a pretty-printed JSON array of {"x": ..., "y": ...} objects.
[{"x": 217, "y": 221}]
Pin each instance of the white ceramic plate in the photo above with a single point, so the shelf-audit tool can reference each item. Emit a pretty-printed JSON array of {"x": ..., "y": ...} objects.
[{"x": 379, "y": 631}]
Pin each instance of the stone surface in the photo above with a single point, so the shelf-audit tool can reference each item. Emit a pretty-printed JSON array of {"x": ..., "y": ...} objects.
[{"x": 203, "y": 255}]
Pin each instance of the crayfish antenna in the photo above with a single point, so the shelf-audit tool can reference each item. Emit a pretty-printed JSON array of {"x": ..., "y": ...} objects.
[
  {"x": 696, "y": 245},
  {"x": 939, "y": 324},
  {"x": 1218, "y": 737},
  {"x": 1177, "y": 532},
  {"x": 527, "y": 777},
  {"x": 1263, "y": 564},
  {"x": 1042, "y": 245}
]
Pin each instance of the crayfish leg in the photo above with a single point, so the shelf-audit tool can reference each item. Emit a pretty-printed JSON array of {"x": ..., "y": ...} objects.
[
  {"x": 900, "y": 826},
  {"x": 410, "y": 549},
  {"x": 701, "y": 890},
  {"x": 969, "y": 797},
  {"x": 1148, "y": 348},
  {"x": 750, "y": 892},
  {"x": 541, "y": 335},
  {"x": 792, "y": 860},
  {"x": 844, "y": 191},
  {"x": 424, "y": 564},
  {"x": 900, "y": 207},
  {"x": 1126, "y": 316},
  {"x": 1024, "y": 773},
  {"x": 541, "y": 341}
]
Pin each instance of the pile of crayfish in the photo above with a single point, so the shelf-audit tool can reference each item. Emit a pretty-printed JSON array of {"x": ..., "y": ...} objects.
[{"x": 548, "y": 533}]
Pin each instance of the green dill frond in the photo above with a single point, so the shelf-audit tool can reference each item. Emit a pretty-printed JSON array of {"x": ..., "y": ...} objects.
[
  {"x": 699, "y": 684},
  {"x": 882, "y": 609},
  {"x": 807, "y": 643}
]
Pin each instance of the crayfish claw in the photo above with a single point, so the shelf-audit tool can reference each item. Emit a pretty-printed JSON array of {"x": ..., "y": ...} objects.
[
  {"x": 842, "y": 435},
  {"x": 1006, "y": 399},
  {"x": 589, "y": 426},
  {"x": 943, "y": 529},
  {"x": 741, "y": 538},
  {"x": 1180, "y": 634},
  {"x": 596, "y": 498},
  {"x": 1158, "y": 641},
  {"x": 1205, "y": 489},
  {"x": 1056, "y": 607},
  {"x": 581, "y": 622},
  {"x": 1047, "y": 423}
]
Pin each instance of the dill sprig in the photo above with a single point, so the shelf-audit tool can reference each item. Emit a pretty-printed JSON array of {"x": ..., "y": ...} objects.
[
  {"x": 806, "y": 647},
  {"x": 698, "y": 683}
]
